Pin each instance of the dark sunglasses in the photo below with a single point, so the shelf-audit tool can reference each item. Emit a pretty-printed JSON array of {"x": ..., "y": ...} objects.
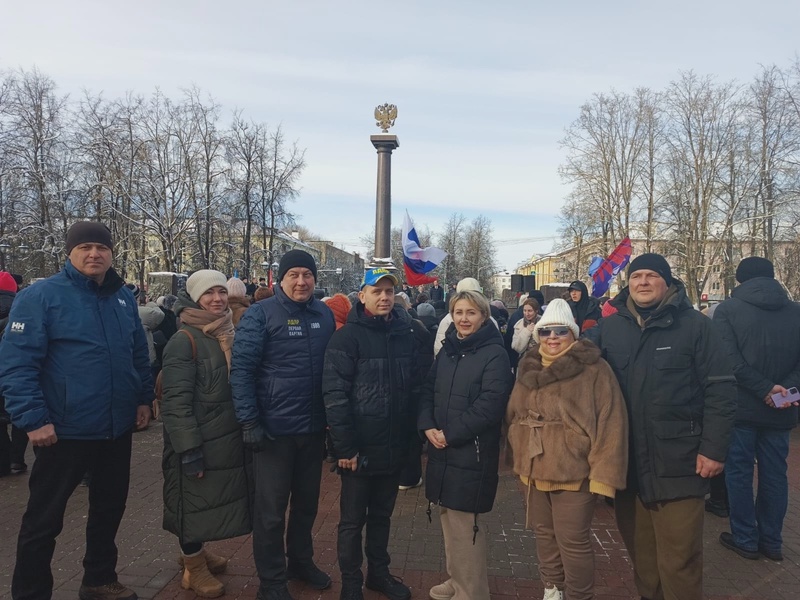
[{"x": 545, "y": 332}]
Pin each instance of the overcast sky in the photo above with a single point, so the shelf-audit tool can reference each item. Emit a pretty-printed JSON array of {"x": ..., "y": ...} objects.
[{"x": 484, "y": 89}]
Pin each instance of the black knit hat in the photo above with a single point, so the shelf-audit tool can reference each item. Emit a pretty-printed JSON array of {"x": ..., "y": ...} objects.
[
  {"x": 297, "y": 258},
  {"x": 84, "y": 232},
  {"x": 754, "y": 266},
  {"x": 652, "y": 262}
]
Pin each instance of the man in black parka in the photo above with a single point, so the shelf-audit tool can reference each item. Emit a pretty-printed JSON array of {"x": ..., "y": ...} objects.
[
  {"x": 374, "y": 367},
  {"x": 760, "y": 329},
  {"x": 679, "y": 388}
]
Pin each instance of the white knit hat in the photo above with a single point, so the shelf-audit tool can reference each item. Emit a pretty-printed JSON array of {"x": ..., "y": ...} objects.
[
  {"x": 557, "y": 313},
  {"x": 469, "y": 284},
  {"x": 201, "y": 281}
]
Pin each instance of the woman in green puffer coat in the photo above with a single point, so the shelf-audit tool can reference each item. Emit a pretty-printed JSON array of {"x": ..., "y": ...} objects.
[{"x": 206, "y": 490}]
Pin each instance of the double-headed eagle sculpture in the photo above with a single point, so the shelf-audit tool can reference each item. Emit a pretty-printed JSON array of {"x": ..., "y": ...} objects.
[{"x": 385, "y": 115}]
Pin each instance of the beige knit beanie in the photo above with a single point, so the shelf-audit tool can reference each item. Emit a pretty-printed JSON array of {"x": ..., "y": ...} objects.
[
  {"x": 557, "y": 313},
  {"x": 236, "y": 288},
  {"x": 201, "y": 281}
]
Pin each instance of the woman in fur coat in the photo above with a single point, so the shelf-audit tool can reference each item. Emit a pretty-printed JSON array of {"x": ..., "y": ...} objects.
[{"x": 568, "y": 430}]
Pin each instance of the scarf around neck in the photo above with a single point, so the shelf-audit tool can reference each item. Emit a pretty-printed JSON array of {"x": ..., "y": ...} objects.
[
  {"x": 548, "y": 360},
  {"x": 220, "y": 328}
]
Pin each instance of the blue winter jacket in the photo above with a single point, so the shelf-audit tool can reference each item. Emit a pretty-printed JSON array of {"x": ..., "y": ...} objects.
[
  {"x": 74, "y": 354},
  {"x": 276, "y": 366}
]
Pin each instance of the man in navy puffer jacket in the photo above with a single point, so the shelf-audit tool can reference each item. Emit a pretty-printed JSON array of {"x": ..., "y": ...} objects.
[
  {"x": 75, "y": 373},
  {"x": 276, "y": 380}
]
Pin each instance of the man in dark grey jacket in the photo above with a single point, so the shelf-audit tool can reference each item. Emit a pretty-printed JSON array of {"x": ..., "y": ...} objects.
[
  {"x": 760, "y": 329},
  {"x": 679, "y": 390}
]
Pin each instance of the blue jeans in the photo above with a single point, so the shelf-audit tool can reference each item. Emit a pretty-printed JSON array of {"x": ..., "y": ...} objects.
[{"x": 757, "y": 524}]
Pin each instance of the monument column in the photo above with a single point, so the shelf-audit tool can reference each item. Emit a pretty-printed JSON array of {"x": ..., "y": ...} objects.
[{"x": 385, "y": 144}]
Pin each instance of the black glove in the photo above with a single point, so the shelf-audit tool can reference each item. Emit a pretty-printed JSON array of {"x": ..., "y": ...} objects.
[
  {"x": 192, "y": 462},
  {"x": 254, "y": 436}
]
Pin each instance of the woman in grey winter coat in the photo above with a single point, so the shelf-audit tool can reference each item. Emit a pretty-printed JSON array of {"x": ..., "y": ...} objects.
[{"x": 206, "y": 492}]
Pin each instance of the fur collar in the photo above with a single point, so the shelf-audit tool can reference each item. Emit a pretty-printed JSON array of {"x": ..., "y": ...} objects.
[{"x": 534, "y": 376}]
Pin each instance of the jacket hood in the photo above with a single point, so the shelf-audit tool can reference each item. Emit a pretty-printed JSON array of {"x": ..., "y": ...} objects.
[
  {"x": 150, "y": 316},
  {"x": 183, "y": 302},
  {"x": 487, "y": 335},
  {"x": 764, "y": 292},
  {"x": 580, "y": 286}
]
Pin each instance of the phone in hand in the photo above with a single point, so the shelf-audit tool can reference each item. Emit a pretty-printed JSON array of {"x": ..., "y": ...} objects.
[{"x": 779, "y": 400}]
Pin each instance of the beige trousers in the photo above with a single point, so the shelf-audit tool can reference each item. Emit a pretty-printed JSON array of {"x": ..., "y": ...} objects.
[
  {"x": 562, "y": 524},
  {"x": 466, "y": 562},
  {"x": 665, "y": 542}
]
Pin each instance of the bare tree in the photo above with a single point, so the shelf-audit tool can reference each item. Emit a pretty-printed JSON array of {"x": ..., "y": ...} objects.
[
  {"x": 243, "y": 151},
  {"x": 451, "y": 240},
  {"x": 703, "y": 117},
  {"x": 35, "y": 149},
  {"x": 278, "y": 170},
  {"x": 479, "y": 252},
  {"x": 610, "y": 147}
]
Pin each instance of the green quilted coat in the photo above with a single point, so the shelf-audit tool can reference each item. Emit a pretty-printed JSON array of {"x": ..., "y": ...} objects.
[{"x": 197, "y": 411}]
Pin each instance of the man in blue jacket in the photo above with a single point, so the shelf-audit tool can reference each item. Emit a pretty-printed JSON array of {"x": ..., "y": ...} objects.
[
  {"x": 75, "y": 372},
  {"x": 276, "y": 380}
]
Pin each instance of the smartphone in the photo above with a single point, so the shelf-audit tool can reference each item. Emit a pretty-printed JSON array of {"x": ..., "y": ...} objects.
[{"x": 792, "y": 396}]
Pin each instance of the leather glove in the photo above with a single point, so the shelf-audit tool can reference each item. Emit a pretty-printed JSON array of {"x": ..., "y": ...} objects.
[{"x": 254, "y": 436}]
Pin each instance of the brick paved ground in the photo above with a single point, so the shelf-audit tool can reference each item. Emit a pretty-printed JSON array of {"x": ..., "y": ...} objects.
[{"x": 147, "y": 554}]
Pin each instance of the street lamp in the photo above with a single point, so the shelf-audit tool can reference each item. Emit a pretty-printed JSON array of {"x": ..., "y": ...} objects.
[{"x": 12, "y": 253}]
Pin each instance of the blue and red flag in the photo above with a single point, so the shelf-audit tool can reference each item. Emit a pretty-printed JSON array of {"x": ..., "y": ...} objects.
[
  {"x": 610, "y": 267},
  {"x": 418, "y": 261}
]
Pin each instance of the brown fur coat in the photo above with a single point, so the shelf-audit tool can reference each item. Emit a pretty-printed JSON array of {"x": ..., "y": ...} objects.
[{"x": 568, "y": 423}]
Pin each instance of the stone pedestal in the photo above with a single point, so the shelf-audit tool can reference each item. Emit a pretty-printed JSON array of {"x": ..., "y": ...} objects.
[{"x": 384, "y": 144}]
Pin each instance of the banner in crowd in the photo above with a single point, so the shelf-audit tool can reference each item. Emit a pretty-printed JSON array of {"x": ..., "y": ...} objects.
[{"x": 605, "y": 272}]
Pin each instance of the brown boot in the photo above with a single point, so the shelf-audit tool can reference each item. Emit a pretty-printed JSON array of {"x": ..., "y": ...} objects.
[
  {"x": 216, "y": 564},
  {"x": 196, "y": 577}
]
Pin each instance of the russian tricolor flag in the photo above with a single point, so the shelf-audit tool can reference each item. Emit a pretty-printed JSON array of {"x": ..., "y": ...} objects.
[{"x": 418, "y": 261}]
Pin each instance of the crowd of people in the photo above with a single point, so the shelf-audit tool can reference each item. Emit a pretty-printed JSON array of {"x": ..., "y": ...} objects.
[{"x": 644, "y": 401}]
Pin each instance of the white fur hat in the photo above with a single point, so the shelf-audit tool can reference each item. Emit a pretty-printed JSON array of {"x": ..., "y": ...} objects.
[
  {"x": 201, "y": 281},
  {"x": 557, "y": 312}
]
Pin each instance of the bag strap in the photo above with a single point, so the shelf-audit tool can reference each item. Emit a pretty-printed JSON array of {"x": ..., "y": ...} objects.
[{"x": 191, "y": 339}]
